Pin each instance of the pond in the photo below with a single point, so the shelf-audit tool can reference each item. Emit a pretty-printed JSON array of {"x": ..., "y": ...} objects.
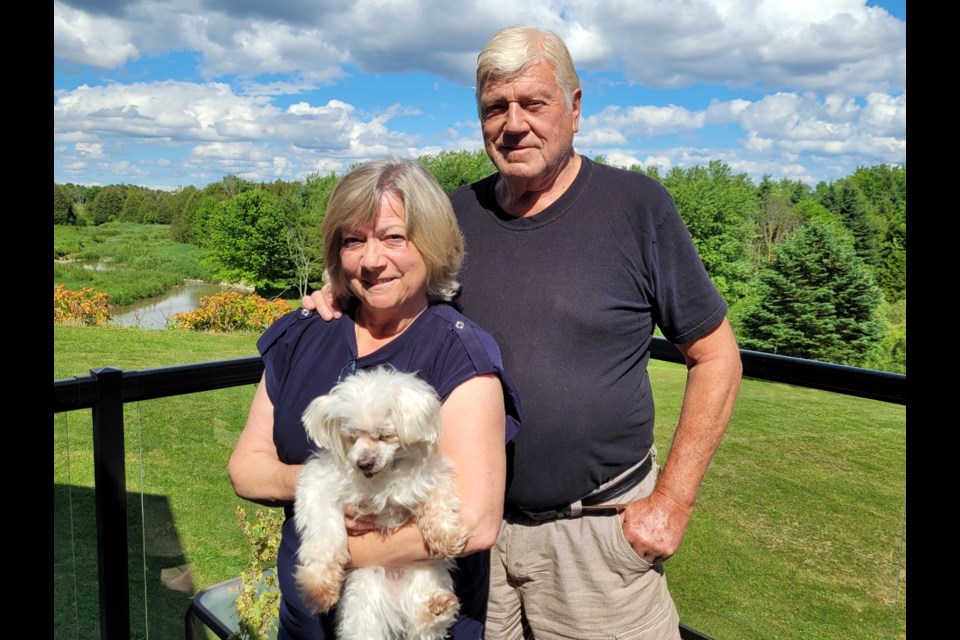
[{"x": 152, "y": 313}]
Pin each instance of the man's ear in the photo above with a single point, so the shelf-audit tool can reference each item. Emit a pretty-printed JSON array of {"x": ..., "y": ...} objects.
[{"x": 577, "y": 94}]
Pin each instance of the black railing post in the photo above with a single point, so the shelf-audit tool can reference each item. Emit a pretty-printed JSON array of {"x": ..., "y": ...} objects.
[{"x": 110, "y": 481}]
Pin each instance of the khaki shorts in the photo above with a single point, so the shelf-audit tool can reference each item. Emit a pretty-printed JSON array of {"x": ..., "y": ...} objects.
[{"x": 577, "y": 578}]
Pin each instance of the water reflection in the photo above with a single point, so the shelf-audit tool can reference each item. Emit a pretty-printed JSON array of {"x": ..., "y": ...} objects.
[
  {"x": 95, "y": 265},
  {"x": 152, "y": 313},
  {"x": 89, "y": 265}
]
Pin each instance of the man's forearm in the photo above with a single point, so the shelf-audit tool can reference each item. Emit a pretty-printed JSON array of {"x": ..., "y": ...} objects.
[{"x": 713, "y": 381}]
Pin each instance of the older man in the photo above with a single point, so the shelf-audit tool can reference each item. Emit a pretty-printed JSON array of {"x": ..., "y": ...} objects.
[{"x": 570, "y": 264}]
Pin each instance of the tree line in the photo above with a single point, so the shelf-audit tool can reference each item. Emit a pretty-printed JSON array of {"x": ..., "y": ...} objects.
[{"x": 813, "y": 272}]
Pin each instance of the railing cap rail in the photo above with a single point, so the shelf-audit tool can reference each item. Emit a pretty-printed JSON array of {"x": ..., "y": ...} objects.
[{"x": 79, "y": 392}]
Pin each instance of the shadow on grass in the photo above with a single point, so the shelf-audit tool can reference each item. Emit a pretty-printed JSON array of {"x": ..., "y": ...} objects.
[{"x": 160, "y": 581}]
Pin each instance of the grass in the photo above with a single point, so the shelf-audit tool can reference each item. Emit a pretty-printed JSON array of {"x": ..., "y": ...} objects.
[
  {"x": 796, "y": 534},
  {"x": 798, "y": 528}
]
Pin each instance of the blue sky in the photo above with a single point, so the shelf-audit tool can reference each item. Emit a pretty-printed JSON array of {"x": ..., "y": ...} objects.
[{"x": 169, "y": 93}]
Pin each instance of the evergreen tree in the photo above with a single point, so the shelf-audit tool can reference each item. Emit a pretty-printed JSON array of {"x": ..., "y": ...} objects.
[
  {"x": 157, "y": 208},
  {"x": 816, "y": 300},
  {"x": 893, "y": 273},
  {"x": 183, "y": 209},
  {"x": 885, "y": 189},
  {"x": 108, "y": 204},
  {"x": 132, "y": 204},
  {"x": 845, "y": 199}
]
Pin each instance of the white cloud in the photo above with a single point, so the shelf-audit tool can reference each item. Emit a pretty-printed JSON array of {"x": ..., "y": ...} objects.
[
  {"x": 824, "y": 45},
  {"x": 187, "y": 112},
  {"x": 829, "y": 126},
  {"x": 89, "y": 149},
  {"x": 723, "y": 112},
  {"x": 98, "y": 41},
  {"x": 126, "y": 167},
  {"x": 834, "y": 71},
  {"x": 230, "y": 133},
  {"x": 886, "y": 114},
  {"x": 613, "y": 125}
]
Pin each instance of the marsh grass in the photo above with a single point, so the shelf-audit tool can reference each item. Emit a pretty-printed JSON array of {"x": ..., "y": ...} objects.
[
  {"x": 796, "y": 534},
  {"x": 143, "y": 260}
]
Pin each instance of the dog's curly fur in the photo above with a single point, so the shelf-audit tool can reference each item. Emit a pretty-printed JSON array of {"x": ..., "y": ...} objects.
[{"x": 379, "y": 430}]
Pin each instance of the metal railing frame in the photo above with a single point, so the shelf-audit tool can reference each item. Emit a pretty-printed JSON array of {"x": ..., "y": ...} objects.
[{"x": 107, "y": 389}]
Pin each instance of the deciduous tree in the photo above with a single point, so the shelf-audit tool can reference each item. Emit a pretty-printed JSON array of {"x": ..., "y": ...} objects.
[
  {"x": 248, "y": 239},
  {"x": 62, "y": 205},
  {"x": 454, "y": 169},
  {"x": 720, "y": 209}
]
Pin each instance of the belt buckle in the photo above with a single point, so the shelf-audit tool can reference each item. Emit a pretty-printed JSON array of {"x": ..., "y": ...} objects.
[{"x": 540, "y": 516}]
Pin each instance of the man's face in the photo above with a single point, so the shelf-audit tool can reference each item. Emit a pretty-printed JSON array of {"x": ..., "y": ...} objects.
[{"x": 527, "y": 129}]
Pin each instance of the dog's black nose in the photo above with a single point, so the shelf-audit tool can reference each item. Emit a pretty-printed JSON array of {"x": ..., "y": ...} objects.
[{"x": 365, "y": 466}]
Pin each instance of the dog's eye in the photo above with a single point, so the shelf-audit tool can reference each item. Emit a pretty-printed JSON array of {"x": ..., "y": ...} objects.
[{"x": 389, "y": 438}]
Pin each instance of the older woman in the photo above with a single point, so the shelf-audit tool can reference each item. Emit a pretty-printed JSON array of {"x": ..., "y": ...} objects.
[{"x": 392, "y": 249}]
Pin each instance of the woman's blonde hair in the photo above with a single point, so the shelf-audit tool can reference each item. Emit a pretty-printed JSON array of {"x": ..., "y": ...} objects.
[
  {"x": 430, "y": 223},
  {"x": 513, "y": 50}
]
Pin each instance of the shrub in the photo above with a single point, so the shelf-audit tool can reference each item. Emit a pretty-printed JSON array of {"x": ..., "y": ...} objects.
[
  {"x": 87, "y": 307},
  {"x": 258, "y": 603},
  {"x": 231, "y": 311}
]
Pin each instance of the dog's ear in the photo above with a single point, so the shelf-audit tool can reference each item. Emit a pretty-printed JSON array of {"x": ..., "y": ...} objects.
[
  {"x": 418, "y": 413},
  {"x": 322, "y": 422}
]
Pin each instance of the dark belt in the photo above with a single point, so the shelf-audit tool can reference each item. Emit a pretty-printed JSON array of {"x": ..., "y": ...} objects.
[{"x": 596, "y": 502}]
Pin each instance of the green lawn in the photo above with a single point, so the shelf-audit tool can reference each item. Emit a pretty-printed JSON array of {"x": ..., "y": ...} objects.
[{"x": 797, "y": 532}]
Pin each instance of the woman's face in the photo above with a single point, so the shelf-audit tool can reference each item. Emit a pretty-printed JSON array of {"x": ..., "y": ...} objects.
[{"x": 385, "y": 271}]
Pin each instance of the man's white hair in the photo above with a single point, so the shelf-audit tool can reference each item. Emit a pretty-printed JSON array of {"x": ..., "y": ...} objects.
[{"x": 513, "y": 50}]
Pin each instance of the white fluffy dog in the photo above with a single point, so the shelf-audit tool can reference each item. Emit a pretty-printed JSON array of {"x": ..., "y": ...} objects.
[{"x": 379, "y": 430}]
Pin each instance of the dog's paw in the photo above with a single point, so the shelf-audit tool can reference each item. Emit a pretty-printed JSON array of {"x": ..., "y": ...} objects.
[
  {"x": 435, "y": 617},
  {"x": 442, "y": 603},
  {"x": 319, "y": 586},
  {"x": 446, "y": 540}
]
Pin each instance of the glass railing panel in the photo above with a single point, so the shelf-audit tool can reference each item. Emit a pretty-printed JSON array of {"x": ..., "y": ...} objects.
[
  {"x": 75, "y": 581},
  {"x": 183, "y": 534},
  {"x": 191, "y": 539},
  {"x": 799, "y": 529}
]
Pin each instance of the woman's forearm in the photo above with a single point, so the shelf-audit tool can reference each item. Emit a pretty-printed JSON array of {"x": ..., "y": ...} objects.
[
  {"x": 258, "y": 478},
  {"x": 255, "y": 470}
]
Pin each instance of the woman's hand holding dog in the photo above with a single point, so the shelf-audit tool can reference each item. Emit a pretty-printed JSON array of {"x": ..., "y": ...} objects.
[{"x": 357, "y": 525}]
